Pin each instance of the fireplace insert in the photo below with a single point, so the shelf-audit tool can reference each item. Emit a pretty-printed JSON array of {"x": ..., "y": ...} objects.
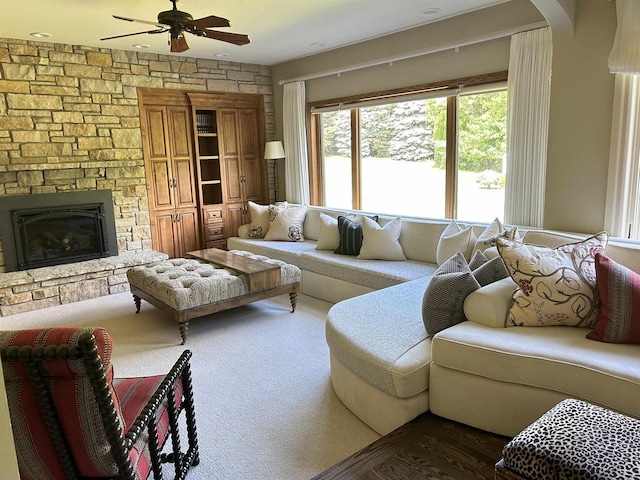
[{"x": 55, "y": 229}]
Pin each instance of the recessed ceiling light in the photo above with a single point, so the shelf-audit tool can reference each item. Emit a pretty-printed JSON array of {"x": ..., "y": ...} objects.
[
  {"x": 140, "y": 45},
  {"x": 221, "y": 54},
  {"x": 318, "y": 44},
  {"x": 431, "y": 11},
  {"x": 40, "y": 34}
]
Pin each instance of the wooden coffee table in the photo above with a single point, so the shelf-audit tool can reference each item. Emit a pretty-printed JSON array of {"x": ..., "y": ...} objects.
[
  {"x": 262, "y": 275},
  {"x": 264, "y": 281}
]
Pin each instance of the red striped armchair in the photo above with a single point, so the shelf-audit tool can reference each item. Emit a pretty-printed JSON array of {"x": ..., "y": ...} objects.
[{"x": 72, "y": 419}]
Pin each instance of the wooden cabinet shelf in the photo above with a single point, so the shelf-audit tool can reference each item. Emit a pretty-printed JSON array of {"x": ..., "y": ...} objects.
[
  {"x": 207, "y": 135},
  {"x": 211, "y": 182}
]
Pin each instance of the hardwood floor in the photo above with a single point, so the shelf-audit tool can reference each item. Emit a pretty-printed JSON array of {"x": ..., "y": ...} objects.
[{"x": 429, "y": 447}]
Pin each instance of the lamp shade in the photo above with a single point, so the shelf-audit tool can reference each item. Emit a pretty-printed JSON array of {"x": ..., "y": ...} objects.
[{"x": 273, "y": 150}]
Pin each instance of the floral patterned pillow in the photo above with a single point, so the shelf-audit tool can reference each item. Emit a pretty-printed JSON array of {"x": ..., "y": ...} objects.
[
  {"x": 556, "y": 286},
  {"x": 286, "y": 223}
]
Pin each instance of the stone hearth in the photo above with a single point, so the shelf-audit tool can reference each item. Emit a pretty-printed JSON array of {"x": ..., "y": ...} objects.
[{"x": 49, "y": 286}]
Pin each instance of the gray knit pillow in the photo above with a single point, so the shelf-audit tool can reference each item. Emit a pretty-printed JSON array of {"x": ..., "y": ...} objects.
[{"x": 444, "y": 297}]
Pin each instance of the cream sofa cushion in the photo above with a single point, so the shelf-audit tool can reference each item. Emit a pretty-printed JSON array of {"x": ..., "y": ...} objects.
[
  {"x": 559, "y": 359},
  {"x": 455, "y": 238},
  {"x": 489, "y": 304}
]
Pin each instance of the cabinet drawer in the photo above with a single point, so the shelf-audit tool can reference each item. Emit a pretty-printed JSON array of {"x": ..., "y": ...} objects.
[
  {"x": 221, "y": 244},
  {"x": 213, "y": 232},
  {"x": 213, "y": 216}
]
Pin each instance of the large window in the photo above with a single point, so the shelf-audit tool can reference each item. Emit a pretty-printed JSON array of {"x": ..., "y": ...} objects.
[{"x": 438, "y": 156}]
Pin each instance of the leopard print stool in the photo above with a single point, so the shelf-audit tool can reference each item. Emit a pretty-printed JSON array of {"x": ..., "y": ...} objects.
[{"x": 574, "y": 440}]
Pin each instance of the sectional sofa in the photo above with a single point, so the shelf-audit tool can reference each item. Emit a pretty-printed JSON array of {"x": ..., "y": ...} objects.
[{"x": 387, "y": 370}]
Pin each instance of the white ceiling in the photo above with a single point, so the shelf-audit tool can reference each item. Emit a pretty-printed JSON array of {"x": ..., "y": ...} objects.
[{"x": 280, "y": 30}]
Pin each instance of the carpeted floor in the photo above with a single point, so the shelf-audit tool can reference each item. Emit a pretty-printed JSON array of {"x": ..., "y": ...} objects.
[{"x": 264, "y": 403}]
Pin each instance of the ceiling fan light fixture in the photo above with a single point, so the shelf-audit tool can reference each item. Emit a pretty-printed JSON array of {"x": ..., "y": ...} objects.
[
  {"x": 177, "y": 23},
  {"x": 318, "y": 44},
  {"x": 221, "y": 54},
  {"x": 41, "y": 34},
  {"x": 431, "y": 11},
  {"x": 140, "y": 45}
]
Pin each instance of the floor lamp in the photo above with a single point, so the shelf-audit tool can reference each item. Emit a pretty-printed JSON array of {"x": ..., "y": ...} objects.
[{"x": 274, "y": 151}]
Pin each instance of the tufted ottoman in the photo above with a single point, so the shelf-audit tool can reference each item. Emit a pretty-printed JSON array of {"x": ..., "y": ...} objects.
[
  {"x": 188, "y": 288},
  {"x": 574, "y": 440}
]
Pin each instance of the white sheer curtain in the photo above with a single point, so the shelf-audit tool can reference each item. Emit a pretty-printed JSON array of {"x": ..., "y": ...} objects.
[
  {"x": 622, "y": 211},
  {"x": 295, "y": 143},
  {"x": 622, "y": 208},
  {"x": 625, "y": 54},
  {"x": 528, "y": 91}
]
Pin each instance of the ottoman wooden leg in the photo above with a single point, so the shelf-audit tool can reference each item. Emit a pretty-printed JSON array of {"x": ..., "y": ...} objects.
[
  {"x": 184, "y": 329},
  {"x": 137, "y": 300},
  {"x": 293, "y": 296}
]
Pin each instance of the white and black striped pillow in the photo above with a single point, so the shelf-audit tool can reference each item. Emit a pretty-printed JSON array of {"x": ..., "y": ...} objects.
[{"x": 350, "y": 236}]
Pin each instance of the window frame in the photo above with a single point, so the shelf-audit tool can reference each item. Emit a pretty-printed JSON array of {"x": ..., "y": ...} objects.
[{"x": 448, "y": 88}]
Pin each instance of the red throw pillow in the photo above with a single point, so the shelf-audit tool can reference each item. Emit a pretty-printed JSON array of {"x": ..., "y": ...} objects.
[{"x": 619, "y": 288}]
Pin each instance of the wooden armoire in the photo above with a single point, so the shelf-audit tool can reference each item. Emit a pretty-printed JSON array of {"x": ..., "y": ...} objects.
[{"x": 203, "y": 162}]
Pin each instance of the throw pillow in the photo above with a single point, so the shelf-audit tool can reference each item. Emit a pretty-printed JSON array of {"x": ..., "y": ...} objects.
[
  {"x": 350, "y": 236},
  {"x": 494, "y": 229},
  {"x": 455, "y": 238},
  {"x": 260, "y": 219},
  {"x": 619, "y": 289},
  {"x": 556, "y": 286},
  {"x": 490, "y": 271},
  {"x": 381, "y": 243},
  {"x": 286, "y": 223},
  {"x": 478, "y": 259},
  {"x": 328, "y": 233},
  {"x": 443, "y": 300},
  {"x": 487, "y": 271}
]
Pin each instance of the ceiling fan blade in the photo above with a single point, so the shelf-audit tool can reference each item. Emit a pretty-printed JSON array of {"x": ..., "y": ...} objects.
[
  {"x": 138, "y": 21},
  {"x": 235, "y": 38},
  {"x": 161, "y": 30},
  {"x": 208, "y": 22},
  {"x": 179, "y": 44}
]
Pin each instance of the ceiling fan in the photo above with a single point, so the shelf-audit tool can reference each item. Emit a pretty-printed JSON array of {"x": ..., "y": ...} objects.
[{"x": 176, "y": 23}]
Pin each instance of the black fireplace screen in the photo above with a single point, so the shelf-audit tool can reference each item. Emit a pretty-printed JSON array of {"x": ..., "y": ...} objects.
[{"x": 57, "y": 235}]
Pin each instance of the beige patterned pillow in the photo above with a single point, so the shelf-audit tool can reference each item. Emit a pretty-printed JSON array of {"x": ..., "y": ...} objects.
[
  {"x": 286, "y": 223},
  {"x": 556, "y": 286},
  {"x": 260, "y": 219}
]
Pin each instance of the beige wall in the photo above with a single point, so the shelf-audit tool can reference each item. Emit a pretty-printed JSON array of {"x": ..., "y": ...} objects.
[
  {"x": 581, "y": 97},
  {"x": 580, "y": 121}
]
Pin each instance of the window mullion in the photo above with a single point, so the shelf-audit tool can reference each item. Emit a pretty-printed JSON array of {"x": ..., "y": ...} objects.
[
  {"x": 451, "y": 172},
  {"x": 356, "y": 183}
]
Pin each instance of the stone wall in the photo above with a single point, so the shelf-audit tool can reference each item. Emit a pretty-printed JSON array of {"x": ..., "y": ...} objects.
[{"x": 69, "y": 120}]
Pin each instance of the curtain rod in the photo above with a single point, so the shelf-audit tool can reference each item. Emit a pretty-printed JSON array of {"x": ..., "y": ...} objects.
[{"x": 418, "y": 53}]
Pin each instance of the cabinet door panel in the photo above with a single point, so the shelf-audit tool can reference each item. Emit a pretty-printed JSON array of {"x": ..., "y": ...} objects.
[
  {"x": 251, "y": 161},
  {"x": 253, "y": 184},
  {"x": 161, "y": 184},
  {"x": 185, "y": 190},
  {"x": 229, "y": 132},
  {"x": 163, "y": 234},
  {"x": 157, "y": 132},
  {"x": 248, "y": 119},
  {"x": 232, "y": 180},
  {"x": 235, "y": 217},
  {"x": 181, "y": 132},
  {"x": 183, "y": 171},
  {"x": 187, "y": 226}
]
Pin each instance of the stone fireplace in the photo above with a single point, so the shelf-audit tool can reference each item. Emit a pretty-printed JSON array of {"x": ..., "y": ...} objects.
[{"x": 54, "y": 229}]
